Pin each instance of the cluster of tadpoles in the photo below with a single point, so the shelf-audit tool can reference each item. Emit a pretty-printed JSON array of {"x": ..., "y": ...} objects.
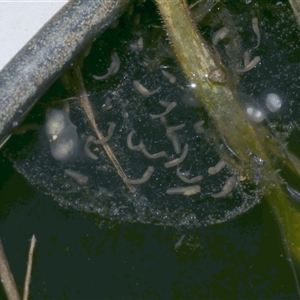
[
  {"x": 172, "y": 136},
  {"x": 273, "y": 102},
  {"x": 63, "y": 138},
  {"x": 248, "y": 65}
]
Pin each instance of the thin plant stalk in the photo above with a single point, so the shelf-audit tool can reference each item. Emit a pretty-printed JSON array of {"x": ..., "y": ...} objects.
[
  {"x": 198, "y": 62},
  {"x": 29, "y": 268},
  {"x": 85, "y": 104},
  {"x": 7, "y": 277},
  {"x": 295, "y": 4}
]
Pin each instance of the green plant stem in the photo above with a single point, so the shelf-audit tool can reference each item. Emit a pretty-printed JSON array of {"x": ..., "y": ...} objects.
[
  {"x": 295, "y": 4},
  {"x": 197, "y": 60}
]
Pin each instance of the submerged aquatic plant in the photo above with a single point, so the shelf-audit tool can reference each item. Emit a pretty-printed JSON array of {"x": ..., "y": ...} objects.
[{"x": 196, "y": 60}]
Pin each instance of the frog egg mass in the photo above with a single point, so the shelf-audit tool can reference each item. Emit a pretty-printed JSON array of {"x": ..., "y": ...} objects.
[
  {"x": 273, "y": 102},
  {"x": 150, "y": 125}
]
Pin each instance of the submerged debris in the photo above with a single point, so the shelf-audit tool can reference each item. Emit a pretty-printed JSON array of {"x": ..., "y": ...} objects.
[
  {"x": 257, "y": 160},
  {"x": 258, "y": 176},
  {"x": 217, "y": 75},
  {"x": 178, "y": 244},
  {"x": 107, "y": 105}
]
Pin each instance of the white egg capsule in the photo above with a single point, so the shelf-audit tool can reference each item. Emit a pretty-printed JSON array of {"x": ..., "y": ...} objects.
[
  {"x": 66, "y": 145},
  {"x": 273, "y": 102},
  {"x": 56, "y": 121},
  {"x": 254, "y": 114}
]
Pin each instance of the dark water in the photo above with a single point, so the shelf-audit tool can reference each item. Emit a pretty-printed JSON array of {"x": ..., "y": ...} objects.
[
  {"x": 74, "y": 259},
  {"x": 83, "y": 256}
]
